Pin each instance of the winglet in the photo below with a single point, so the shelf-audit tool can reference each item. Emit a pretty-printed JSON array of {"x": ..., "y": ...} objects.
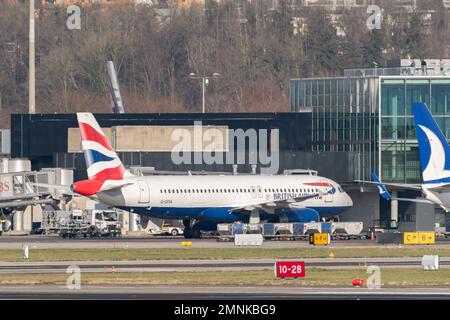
[{"x": 383, "y": 191}]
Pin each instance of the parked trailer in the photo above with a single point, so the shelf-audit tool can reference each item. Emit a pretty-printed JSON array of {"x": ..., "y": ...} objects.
[
  {"x": 225, "y": 229},
  {"x": 347, "y": 230},
  {"x": 292, "y": 231}
]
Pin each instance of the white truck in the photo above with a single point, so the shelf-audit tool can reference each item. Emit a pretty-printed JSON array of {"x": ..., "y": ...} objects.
[
  {"x": 105, "y": 223},
  {"x": 81, "y": 223}
]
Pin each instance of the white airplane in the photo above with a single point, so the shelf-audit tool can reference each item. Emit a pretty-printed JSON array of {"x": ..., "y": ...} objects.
[
  {"x": 203, "y": 201},
  {"x": 434, "y": 159}
]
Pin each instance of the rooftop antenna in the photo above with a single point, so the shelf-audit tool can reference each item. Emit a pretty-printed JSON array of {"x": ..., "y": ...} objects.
[{"x": 376, "y": 67}]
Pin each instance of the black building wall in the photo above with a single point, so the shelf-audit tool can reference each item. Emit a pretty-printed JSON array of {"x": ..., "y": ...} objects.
[
  {"x": 41, "y": 137},
  {"x": 339, "y": 166}
]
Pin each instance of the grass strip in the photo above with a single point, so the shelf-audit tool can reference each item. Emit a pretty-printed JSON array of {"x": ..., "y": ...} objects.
[
  {"x": 314, "y": 277},
  {"x": 122, "y": 254}
]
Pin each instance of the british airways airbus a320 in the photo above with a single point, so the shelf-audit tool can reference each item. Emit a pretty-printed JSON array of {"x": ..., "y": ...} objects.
[{"x": 203, "y": 201}]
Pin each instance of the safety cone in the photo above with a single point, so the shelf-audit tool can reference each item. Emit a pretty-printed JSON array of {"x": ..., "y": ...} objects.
[{"x": 372, "y": 236}]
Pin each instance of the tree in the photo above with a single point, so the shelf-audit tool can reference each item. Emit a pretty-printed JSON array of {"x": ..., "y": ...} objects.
[{"x": 321, "y": 44}]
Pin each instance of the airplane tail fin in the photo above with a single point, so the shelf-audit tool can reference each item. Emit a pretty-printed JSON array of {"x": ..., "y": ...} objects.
[
  {"x": 433, "y": 146},
  {"x": 383, "y": 191},
  {"x": 102, "y": 162}
]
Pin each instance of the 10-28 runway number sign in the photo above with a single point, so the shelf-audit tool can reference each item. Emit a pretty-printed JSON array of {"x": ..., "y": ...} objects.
[{"x": 290, "y": 269}]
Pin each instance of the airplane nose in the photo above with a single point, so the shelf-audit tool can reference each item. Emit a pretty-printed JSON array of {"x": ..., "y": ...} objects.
[{"x": 349, "y": 200}]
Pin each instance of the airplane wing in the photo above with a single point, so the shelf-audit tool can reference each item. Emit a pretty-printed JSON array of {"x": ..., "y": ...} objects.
[
  {"x": 417, "y": 187},
  {"x": 386, "y": 195},
  {"x": 275, "y": 204},
  {"x": 413, "y": 200},
  {"x": 441, "y": 187},
  {"x": 114, "y": 184},
  {"x": 395, "y": 185}
]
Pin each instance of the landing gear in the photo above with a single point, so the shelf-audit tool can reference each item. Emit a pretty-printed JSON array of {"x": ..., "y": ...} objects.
[
  {"x": 331, "y": 219},
  {"x": 254, "y": 217},
  {"x": 191, "y": 229},
  {"x": 192, "y": 233}
]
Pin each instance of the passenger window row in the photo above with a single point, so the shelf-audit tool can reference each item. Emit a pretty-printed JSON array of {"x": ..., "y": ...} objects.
[{"x": 234, "y": 190}]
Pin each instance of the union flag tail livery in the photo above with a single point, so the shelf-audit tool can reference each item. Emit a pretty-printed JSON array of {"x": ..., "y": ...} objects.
[
  {"x": 102, "y": 162},
  {"x": 104, "y": 168}
]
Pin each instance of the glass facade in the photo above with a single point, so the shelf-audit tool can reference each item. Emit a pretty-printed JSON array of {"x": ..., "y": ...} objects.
[
  {"x": 344, "y": 115},
  {"x": 398, "y": 145},
  {"x": 372, "y": 116}
]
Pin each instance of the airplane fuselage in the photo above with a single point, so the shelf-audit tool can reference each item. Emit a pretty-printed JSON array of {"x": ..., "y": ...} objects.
[
  {"x": 202, "y": 201},
  {"x": 212, "y": 197}
]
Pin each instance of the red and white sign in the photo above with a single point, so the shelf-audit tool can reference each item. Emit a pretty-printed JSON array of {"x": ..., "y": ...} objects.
[
  {"x": 290, "y": 269},
  {"x": 4, "y": 186}
]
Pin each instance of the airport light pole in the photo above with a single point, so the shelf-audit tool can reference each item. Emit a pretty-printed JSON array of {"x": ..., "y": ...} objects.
[
  {"x": 31, "y": 62},
  {"x": 205, "y": 81}
]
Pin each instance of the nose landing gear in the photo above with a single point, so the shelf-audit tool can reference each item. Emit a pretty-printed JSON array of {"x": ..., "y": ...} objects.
[{"x": 191, "y": 229}]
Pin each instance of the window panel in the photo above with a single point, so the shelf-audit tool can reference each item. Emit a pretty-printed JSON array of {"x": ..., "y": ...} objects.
[
  {"x": 393, "y": 100},
  {"x": 391, "y": 128},
  {"x": 416, "y": 93},
  {"x": 440, "y": 96},
  {"x": 410, "y": 130},
  {"x": 393, "y": 162}
]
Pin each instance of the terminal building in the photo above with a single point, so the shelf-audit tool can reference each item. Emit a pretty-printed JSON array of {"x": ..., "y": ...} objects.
[
  {"x": 50, "y": 140},
  {"x": 369, "y": 111},
  {"x": 143, "y": 141}
]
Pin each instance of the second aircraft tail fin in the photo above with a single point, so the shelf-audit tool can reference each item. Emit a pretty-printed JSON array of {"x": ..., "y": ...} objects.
[{"x": 433, "y": 146}]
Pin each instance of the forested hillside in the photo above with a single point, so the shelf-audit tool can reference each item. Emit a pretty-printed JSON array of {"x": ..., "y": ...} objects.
[{"x": 256, "y": 50}]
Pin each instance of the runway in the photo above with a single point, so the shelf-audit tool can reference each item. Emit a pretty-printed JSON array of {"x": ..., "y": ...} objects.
[
  {"x": 204, "y": 265},
  {"x": 190, "y": 293},
  {"x": 56, "y": 242}
]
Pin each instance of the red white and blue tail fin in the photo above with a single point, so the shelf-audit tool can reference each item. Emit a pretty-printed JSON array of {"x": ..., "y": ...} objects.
[{"x": 102, "y": 162}]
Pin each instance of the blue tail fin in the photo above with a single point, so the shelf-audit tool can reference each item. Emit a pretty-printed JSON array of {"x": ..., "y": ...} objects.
[
  {"x": 433, "y": 146},
  {"x": 383, "y": 192}
]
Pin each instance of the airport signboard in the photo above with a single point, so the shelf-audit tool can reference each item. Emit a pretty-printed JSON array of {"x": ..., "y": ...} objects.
[
  {"x": 427, "y": 238},
  {"x": 290, "y": 269},
  {"x": 411, "y": 238},
  {"x": 419, "y": 238},
  {"x": 322, "y": 239}
]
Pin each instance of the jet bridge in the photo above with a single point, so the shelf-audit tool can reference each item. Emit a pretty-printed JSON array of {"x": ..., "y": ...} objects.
[{"x": 21, "y": 189}]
